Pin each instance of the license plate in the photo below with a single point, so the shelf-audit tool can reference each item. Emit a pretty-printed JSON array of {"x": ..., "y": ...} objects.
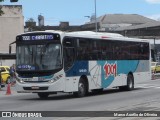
[{"x": 35, "y": 87}]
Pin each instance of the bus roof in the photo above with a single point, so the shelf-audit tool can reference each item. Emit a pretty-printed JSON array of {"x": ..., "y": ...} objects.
[
  {"x": 87, "y": 33},
  {"x": 91, "y": 34},
  {"x": 46, "y": 31},
  {"x": 104, "y": 35}
]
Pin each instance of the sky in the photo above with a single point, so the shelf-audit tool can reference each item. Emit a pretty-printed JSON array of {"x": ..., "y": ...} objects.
[{"x": 74, "y": 11}]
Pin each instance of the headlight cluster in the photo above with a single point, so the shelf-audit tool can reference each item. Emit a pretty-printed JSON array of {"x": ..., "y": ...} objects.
[
  {"x": 19, "y": 80},
  {"x": 55, "y": 78}
]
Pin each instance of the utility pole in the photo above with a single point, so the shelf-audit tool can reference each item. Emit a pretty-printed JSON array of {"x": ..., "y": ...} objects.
[{"x": 95, "y": 3}]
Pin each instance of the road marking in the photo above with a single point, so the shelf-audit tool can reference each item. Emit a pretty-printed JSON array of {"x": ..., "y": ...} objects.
[{"x": 147, "y": 86}]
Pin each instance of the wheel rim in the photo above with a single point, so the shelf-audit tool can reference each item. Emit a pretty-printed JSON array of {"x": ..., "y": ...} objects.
[
  {"x": 130, "y": 83},
  {"x": 81, "y": 88}
]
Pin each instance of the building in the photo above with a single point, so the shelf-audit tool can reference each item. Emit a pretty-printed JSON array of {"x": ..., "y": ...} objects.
[
  {"x": 11, "y": 24},
  {"x": 63, "y": 26},
  {"x": 131, "y": 25},
  {"x": 40, "y": 20}
]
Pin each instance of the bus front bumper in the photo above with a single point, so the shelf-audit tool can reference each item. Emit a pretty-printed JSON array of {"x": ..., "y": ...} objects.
[{"x": 39, "y": 87}]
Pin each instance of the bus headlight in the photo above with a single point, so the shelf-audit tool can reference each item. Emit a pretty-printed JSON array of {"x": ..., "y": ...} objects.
[
  {"x": 20, "y": 81},
  {"x": 51, "y": 81},
  {"x": 55, "y": 78}
]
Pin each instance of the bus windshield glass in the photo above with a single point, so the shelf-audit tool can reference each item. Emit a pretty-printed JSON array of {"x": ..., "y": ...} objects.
[{"x": 31, "y": 57}]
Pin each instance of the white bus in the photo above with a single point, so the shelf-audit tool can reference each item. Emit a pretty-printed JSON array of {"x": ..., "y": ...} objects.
[{"x": 79, "y": 62}]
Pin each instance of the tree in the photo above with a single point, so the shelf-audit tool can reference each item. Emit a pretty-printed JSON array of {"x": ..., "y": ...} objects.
[
  {"x": 30, "y": 24},
  {"x": 13, "y": 0},
  {"x": 1, "y": 12},
  {"x": 30, "y": 20},
  {"x": 10, "y": 0}
]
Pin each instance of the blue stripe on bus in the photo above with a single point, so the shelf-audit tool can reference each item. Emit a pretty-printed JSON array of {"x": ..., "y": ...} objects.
[
  {"x": 79, "y": 68},
  {"x": 110, "y": 69}
]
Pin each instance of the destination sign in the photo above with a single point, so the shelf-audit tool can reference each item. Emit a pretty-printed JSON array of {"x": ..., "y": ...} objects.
[{"x": 38, "y": 37}]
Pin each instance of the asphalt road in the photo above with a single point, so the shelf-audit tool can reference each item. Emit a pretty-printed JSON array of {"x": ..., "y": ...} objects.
[{"x": 145, "y": 97}]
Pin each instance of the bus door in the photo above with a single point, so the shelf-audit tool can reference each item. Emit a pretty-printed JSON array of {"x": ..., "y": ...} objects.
[{"x": 69, "y": 58}]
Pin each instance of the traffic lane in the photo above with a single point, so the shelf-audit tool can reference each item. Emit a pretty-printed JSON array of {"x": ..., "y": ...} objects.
[
  {"x": 109, "y": 92},
  {"x": 144, "y": 97},
  {"x": 107, "y": 100}
]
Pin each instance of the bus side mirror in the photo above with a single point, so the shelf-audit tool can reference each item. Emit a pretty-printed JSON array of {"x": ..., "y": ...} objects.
[{"x": 10, "y": 49}]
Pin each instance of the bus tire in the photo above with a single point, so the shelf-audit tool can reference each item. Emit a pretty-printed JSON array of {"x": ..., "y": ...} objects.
[
  {"x": 82, "y": 89},
  {"x": 130, "y": 82},
  {"x": 43, "y": 95}
]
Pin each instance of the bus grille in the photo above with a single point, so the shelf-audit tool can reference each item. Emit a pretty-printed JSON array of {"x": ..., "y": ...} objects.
[
  {"x": 36, "y": 81},
  {"x": 40, "y": 88}
]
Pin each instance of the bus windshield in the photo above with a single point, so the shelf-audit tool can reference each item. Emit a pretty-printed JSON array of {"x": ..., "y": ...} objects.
[{"x": 38, "y": 57}]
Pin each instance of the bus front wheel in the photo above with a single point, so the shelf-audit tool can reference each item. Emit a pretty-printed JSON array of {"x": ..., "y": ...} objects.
[{"x": 82, "y": 89}]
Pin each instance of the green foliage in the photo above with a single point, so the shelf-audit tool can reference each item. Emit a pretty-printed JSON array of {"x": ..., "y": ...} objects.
[
  {"x": 30, "y": 20},
  {"x": 13, "y": 0},
  {"x": 1, "y": 12},
  {"x": 10, "y": 0}
]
